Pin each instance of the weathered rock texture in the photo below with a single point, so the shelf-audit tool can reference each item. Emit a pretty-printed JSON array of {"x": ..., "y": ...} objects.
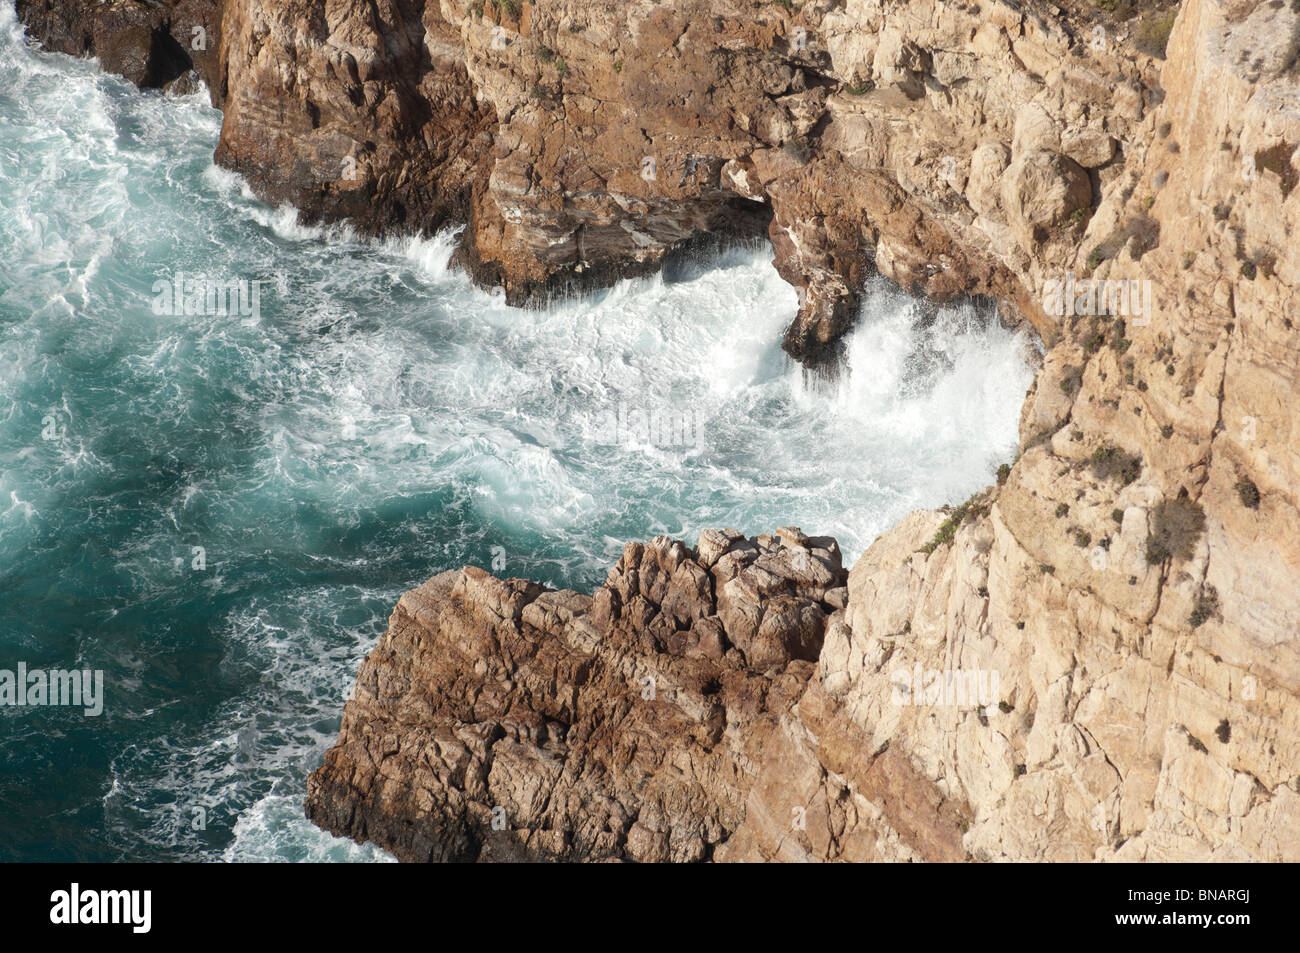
[
  {"x": 955, "y": 147},
  {"x": 1135, "y": 579},
  {"x": 497, "y": 720},
  {"x": 151, "y": 44}
]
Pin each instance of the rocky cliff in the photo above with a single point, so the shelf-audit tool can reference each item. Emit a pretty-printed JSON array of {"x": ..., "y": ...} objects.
[
  {"x": 1126, "y": 599},
  {"x": 953, "y": 147}
]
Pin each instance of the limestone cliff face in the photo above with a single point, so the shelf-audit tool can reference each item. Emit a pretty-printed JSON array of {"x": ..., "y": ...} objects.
[{"x": 1133, "y": 581}]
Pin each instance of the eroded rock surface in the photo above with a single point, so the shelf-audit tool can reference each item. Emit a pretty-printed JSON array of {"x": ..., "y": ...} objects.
[
  {"x": 1132, "y": 580},
  {"x": 151, "y": 44},
  {"x": 953, "y": 147},
  {"x": 628, "y": 725}
]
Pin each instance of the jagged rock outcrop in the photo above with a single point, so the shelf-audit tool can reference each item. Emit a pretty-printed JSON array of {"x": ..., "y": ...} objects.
[
  {"x": 357, "y": 111},
  {"x": 151, "y": 44},
  {"x": 498, "y": 720},
  {"x": 940, "y": 143}
]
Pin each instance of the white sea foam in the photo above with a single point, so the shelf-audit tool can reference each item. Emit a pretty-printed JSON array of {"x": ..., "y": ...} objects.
[{"x": 274, "y": 830}]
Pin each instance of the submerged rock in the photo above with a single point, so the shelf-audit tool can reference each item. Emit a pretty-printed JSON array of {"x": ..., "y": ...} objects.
[{"x": 186, "y": 84}]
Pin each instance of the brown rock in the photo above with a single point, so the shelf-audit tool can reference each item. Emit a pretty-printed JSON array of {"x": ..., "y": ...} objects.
[
  {"x": 954, "y": 149},
  {"x": 497, "y": 720},
  {"x": 1040, "y": 191}
]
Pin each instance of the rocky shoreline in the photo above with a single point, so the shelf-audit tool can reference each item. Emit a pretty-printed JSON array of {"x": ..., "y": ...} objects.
[
  {"x": 582, "y": 143},
  {"x": 1132, "y": 579},
  {"x": 498, "y": 720}
]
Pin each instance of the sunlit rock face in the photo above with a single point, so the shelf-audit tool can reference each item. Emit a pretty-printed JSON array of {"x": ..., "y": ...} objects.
[
  {"x": 498, "y": 720},
  {"x": 940, "y": 145}
]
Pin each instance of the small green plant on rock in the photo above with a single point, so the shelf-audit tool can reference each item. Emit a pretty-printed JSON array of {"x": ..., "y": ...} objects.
[
  {"x": 1223, "y": 732},
  {"x": 1118, "y": 342},
  {"x": 948, "y": 528},
  {"x": 1094, "y": 339},
  {"x": 1071, "y": 380},
  {"x": 1207, "y": 604},
  {"x": 1277, "y": 160},
  {"x": 1153, "y": 33},
  {"x": 1078, "y": 217},
  {"x": 1111, "y": 462},
  {"x": 1176, "y": 526}
]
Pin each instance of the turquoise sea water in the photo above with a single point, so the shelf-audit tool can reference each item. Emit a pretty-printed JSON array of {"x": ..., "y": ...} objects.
[{"x": 219, "y": 511}]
